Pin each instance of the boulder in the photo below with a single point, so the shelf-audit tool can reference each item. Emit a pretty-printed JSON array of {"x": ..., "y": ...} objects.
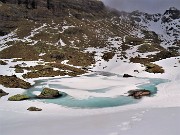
[
  {"x": 137, "y": 94},
  {"x": 18, "y": 97},
  {"x": 127, "y": 75},
  {"x": 48, "y": 93},
  {"x": 136, "y": 71},
  {"x": 3, "y": 93},
  {"x": 34, "y": 109}
]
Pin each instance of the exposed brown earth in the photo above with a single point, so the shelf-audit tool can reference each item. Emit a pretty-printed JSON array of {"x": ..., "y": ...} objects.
[
  {"x": 153, "y": 68},
  {"x": 108, "y": 55},
  {"x": 13, "y": 82}
]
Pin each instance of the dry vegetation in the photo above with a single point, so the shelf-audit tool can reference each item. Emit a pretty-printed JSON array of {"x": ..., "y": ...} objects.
[{"x": 153, "y": 68}]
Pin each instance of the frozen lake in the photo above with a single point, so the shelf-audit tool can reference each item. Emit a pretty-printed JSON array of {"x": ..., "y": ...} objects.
[{"x": 96, "y": 90}]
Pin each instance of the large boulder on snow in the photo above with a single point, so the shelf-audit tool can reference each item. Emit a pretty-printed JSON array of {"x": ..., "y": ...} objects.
[
  {"x": 34, "y": 109},
  {"x": 3, "y": 93},
  {"x": 137, "y": 94},
  {"x": 127, "y": 75},
  {"x": 48, "y": 93}
]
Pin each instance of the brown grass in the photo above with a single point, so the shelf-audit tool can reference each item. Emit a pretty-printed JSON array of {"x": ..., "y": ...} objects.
[{"x": 153, "y": 68}]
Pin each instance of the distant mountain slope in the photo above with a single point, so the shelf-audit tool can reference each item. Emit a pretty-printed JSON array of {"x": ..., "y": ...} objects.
[{"x": 166, "y": 25}]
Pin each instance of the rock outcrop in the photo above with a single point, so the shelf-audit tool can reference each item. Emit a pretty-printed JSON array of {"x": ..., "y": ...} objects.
[
  {"x": 171, "y": 14},
  {"x": 107, "y": 56},
  {"x": 153, "y": 68},
  {"x": 14, "y": 82},
  {"x": 137, "y": 94},
  {"x": 127, "y": 75},
  {"x": 48, "y": 93},
  {"x": 34, "y": 109},
  {"x": 18, "y": 97},
  {"x": 3, "y": 93}
]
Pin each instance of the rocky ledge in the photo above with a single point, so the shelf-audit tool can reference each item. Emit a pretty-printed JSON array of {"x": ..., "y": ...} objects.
[
  {"x": 137, "y": 94},
  {"x": 48, "y": 93},
  {"x": 14, "y": 82}
]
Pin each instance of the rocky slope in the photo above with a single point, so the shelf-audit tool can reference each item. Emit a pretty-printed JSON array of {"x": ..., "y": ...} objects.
[
  {"x": 85, "y": 32},
  {"x": 166, "y": 25},
  {"x": 13, "y": 11}
]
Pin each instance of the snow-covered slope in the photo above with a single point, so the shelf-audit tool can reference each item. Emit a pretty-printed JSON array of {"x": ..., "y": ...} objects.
[{"x": 166, "y": 25}]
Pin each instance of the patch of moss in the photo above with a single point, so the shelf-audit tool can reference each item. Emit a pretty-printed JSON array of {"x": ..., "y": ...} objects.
[
  {"x": 49, "y": 93},
  {"x": 46, "y": 37},
  {"x": 19, "y": 70},
  {"x": 125, "y": 47},
  {"x": 151, "y": 35},
  {"x": 73, "y": 31},
  {"x": 20, "y": 50},
  {"x": 108, "y": 55},
  {"x": 140, "y": 60},
  {"x": 133, "y": 40},
  {"x": 25, "y": 27},
  {"x": 144, "y": 48},
  {"x": 153, "y": 68},
  {"x": 78, "y": 58},
  {"x": 66, "y": 67},
  {"x": 18, "y": 97},
  {"x": 162, "y": 55},
  {"x": 46, "y": 72}
]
